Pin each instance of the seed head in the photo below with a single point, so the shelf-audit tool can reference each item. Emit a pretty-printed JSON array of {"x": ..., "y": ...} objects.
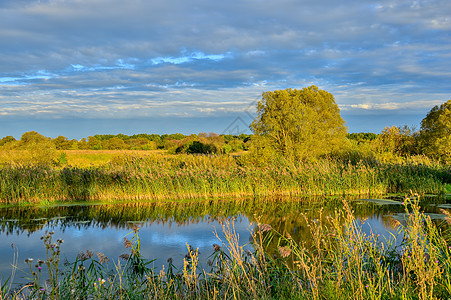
[
  {"x": 124, "y": 256},
  {"x": 216, "y": 247},
  {"x": 265, "y": 227},
  {"x": 285, "y": 251}
]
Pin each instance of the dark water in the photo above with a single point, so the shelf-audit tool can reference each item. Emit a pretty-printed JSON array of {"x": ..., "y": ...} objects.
[{"x": 166, "y": 228}]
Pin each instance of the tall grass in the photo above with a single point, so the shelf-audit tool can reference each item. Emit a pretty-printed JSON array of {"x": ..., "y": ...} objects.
[
  {"x": 188, "y": 176},
  {"x": 340, "y": 262}
]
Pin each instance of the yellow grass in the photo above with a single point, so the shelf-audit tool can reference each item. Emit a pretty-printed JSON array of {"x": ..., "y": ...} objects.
[
  {"x": 85, "y": 158},
  {"x": 77, "y": 158}
]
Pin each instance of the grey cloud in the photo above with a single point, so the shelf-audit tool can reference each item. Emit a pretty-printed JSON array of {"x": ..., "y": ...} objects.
[{"x": 124, "y": 58}]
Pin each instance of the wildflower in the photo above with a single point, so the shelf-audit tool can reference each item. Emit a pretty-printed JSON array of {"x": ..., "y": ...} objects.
[{"x": 170, "y": 260}]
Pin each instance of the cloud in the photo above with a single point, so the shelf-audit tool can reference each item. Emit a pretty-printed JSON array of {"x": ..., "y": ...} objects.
[
  {"x": 98, "y": 58},
  {"x": 421, "y": 104}
]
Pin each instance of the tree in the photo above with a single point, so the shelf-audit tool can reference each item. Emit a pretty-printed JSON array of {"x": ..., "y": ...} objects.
[
  {"x": 62, "y": 143},
  {"x": 395, "y": 142},
  {"x": 435, "y": 133},
  {"x": 7, "y": 140},
  {"x": 300, "y": 124},
  {"x": 32, "y": 137},
  {"x": 114, "y": 143},
  {"x": 94, "y": 143}
]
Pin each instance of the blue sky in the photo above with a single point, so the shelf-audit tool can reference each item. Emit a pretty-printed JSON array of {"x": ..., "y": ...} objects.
[{"x": 81, "y": 67}]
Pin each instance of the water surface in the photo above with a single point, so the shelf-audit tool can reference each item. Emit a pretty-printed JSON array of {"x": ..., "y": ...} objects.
[{"x": 167, "y": 227}]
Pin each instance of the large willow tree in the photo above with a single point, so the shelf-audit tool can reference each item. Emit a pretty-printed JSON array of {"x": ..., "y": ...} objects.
[
  {"x": 435, "y": 134},
  {"x": 299, "y": 124}
]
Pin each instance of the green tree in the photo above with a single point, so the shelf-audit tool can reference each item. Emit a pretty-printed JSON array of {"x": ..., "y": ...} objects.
[
  {"x": 7, "y": 140},
  {"x": 82, "y": 144},
  {"x": 40, "y": 148},
  {"x": 300, "y": 124},
  {"x": 32, "y": 137},
  {"x": 94, "y": 143},
  {"x": 394, "y": 142},
  {"x": 435, "y": 133},
  {"x": 114, "y": 143},
  {"x": 62, "y": 143},
  {"x": 362, "y": 137}
]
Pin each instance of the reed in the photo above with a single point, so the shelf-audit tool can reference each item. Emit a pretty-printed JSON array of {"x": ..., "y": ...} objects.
[
  {"x": 158, "y": 176},
  {"x": 341, "y": 262}
]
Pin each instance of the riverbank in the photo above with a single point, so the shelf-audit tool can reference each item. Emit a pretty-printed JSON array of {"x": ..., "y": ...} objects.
[{"x": 158, "y": 177}]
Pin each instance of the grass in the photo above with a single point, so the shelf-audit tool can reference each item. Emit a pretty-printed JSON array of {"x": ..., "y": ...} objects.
[
  {"x": 114, "y": 175},
  {"x": 340, "y": 262}
]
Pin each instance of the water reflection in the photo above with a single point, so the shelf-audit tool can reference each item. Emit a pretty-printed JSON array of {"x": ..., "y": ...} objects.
[{"x": 166, "y": 227}]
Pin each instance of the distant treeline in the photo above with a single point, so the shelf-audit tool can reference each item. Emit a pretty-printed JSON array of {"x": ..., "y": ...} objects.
[
  {"x": 392, "y": 144},
  {"x": 177, "y": 143}
]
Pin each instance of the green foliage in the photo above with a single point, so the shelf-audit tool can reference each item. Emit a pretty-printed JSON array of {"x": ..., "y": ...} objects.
[
  {"x": 133, "y": 142},
  {"x": 94, "y": 143},
  {"x": 62, "y": 159},
  {"x": 435, "y": 134},
  {"x": 362, "y": 137},
  {"x": 43, "y": 153},
  {"x": 7, "y": 140},
  {"x": 300, "y": 124},
  {"x": 62, "y": 143},
  {"x": 32, "y": 137},
  {"x": 114, "y": 143},
  {"x": 395, "y": 142},
  {"x": 196, "y": 147}
]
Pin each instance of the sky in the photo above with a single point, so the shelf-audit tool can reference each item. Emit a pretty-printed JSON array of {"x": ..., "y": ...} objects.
[{"x": 83, "y": 67}]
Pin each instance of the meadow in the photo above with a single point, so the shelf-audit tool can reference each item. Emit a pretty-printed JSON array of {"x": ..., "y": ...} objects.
[{"x": 86, "y": 175}]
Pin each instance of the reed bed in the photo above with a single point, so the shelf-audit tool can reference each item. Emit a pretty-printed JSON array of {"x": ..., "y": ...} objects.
[
  {"x": 339, "y": 262},
  {"x": 137, "y": 177}
]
